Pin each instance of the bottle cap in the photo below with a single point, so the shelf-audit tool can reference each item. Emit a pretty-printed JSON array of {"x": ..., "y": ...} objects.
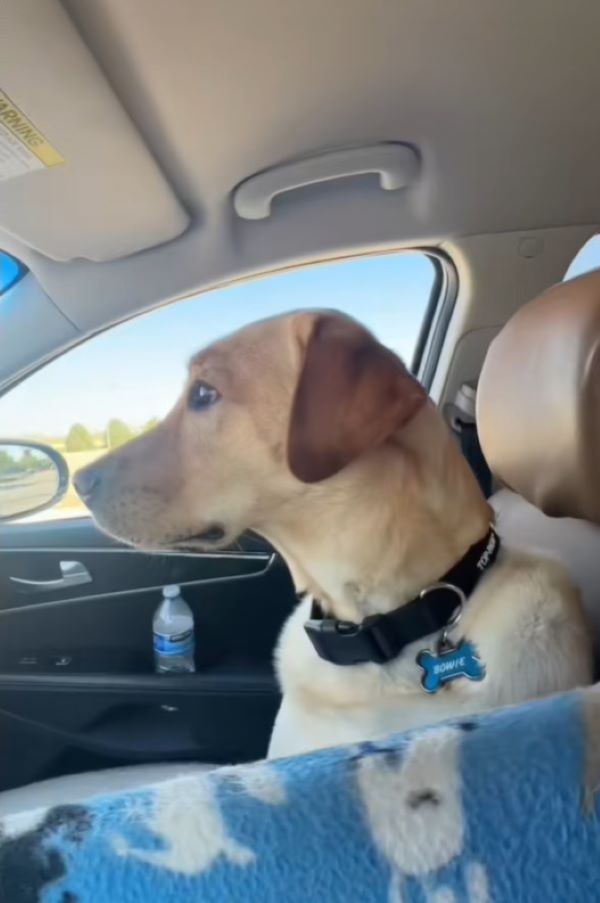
[{"x": 170, "y": 592}]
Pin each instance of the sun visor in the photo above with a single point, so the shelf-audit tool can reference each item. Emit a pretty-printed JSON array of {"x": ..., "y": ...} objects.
[{"x": 76, "y": 178}]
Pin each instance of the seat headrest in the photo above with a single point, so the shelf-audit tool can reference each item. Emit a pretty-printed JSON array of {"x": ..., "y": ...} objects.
[{"x": 538, "y": 401}]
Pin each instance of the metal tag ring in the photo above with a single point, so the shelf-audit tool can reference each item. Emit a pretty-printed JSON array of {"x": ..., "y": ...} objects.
[{"x": 456, "y": 614}]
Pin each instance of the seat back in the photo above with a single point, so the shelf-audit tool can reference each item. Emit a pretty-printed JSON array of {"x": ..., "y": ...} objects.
[
  {"x": 538, "y": 416},
  {"x": 574, "y": 543}
]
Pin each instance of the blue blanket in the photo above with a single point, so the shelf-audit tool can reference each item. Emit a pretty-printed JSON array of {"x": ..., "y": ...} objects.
[{"x": 501, "y": 807}]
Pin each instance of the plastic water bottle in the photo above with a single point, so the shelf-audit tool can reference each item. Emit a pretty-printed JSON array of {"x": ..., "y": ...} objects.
[{"x": 173, "y": 628}]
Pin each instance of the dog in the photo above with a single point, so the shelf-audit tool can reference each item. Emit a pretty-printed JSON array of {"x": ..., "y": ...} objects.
[{"x": 308, "y": 431}]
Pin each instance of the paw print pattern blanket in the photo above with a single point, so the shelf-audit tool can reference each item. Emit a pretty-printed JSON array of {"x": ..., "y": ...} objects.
[{"x": 501, "y": 807}]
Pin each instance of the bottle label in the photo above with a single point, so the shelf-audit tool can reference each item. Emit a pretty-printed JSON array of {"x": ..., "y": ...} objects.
[{"x": 178, "y": 644}]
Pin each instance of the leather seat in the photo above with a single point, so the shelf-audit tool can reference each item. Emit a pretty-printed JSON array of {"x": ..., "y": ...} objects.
[
  {"x": 575, "y": 543},
  {"x": 538, "y": 417}
]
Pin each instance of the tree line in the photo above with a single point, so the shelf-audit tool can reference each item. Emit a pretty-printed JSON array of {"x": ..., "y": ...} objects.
[
  {"x": 25, "y": 462},
  {"x": 80, "y": 438}
]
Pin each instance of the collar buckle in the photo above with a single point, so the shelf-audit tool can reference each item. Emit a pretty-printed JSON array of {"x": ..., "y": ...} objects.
[
  {"x": 436, "y": 610},
  {"x": 345, "y": 643}
]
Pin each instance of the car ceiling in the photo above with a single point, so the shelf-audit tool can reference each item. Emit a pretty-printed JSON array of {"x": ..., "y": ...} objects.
[{"x": 161, "y": 108}]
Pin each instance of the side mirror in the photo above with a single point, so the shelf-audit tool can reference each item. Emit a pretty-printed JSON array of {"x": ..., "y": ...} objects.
[{"x": 32, "y": 477}]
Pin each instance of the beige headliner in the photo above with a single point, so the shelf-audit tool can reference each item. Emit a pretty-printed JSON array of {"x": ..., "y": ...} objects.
[{"x": 501, "y": 98}]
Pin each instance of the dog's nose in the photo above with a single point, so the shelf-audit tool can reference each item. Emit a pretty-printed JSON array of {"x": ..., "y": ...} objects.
[{"x": 86, "y": 483}]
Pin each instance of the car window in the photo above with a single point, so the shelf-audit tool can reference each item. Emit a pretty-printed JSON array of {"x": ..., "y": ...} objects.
[
  {"x": 588, "y": 258},
  {"x": 10, "y": 271},
  {"x": 121, "y": 382}
]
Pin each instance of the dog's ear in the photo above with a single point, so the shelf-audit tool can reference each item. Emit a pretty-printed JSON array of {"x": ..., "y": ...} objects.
[{"x": 352, "y": 394}]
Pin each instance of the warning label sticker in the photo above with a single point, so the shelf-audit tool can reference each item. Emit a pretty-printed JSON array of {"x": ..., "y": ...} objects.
[{"x": 23, "y": 148}]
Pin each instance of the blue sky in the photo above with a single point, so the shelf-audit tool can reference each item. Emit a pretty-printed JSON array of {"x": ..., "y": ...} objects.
[
  {"x": 9, "y": 270},
  {"x": 587, "y": 259},
  {"x": 136, "y": 370}
]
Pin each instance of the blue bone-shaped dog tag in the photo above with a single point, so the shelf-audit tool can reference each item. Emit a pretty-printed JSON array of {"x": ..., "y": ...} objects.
[{"x": 446, "y": 666}]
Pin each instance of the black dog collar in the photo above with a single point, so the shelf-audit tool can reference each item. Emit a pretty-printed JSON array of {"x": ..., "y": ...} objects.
[{"x": 380, "y": 638}]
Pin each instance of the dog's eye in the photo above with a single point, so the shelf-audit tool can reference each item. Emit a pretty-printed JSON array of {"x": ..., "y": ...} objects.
[{"x": 202, "y": 396}]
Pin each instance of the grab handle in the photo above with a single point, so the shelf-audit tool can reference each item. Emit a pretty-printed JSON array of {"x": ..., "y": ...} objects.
[{"x": 396, "y": 164}]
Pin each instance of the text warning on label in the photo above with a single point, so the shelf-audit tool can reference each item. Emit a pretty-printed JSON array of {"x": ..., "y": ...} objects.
[{"x": 23, "y": 148}]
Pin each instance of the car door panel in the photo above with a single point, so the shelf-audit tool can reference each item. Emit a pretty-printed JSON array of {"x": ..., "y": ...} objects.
[
  {"x": 54, "y": 725},
  {"x": 28, "y": 579},
  {"x": 77, "y": 682}
]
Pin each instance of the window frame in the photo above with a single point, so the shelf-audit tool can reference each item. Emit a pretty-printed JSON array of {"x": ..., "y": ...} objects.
[{"x": 438, "y": 313}]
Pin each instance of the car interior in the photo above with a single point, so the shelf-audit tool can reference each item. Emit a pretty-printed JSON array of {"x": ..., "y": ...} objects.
[{"x": 203, "y": 160}]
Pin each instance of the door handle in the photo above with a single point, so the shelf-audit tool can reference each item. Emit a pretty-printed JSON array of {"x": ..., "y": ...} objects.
[{"x": 73, "y": 573}]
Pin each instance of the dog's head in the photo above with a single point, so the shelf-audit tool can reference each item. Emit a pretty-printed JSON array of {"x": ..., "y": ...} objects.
[{"x": 266, "y": 415}]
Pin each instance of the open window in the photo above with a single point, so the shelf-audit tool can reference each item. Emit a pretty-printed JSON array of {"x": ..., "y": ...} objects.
[
  {"x": 115, "y": 386},
  {"x": 586, "y": 259}
]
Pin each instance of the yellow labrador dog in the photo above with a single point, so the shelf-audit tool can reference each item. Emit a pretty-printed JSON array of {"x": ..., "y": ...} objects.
[{"x": 306, "y": 430}]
